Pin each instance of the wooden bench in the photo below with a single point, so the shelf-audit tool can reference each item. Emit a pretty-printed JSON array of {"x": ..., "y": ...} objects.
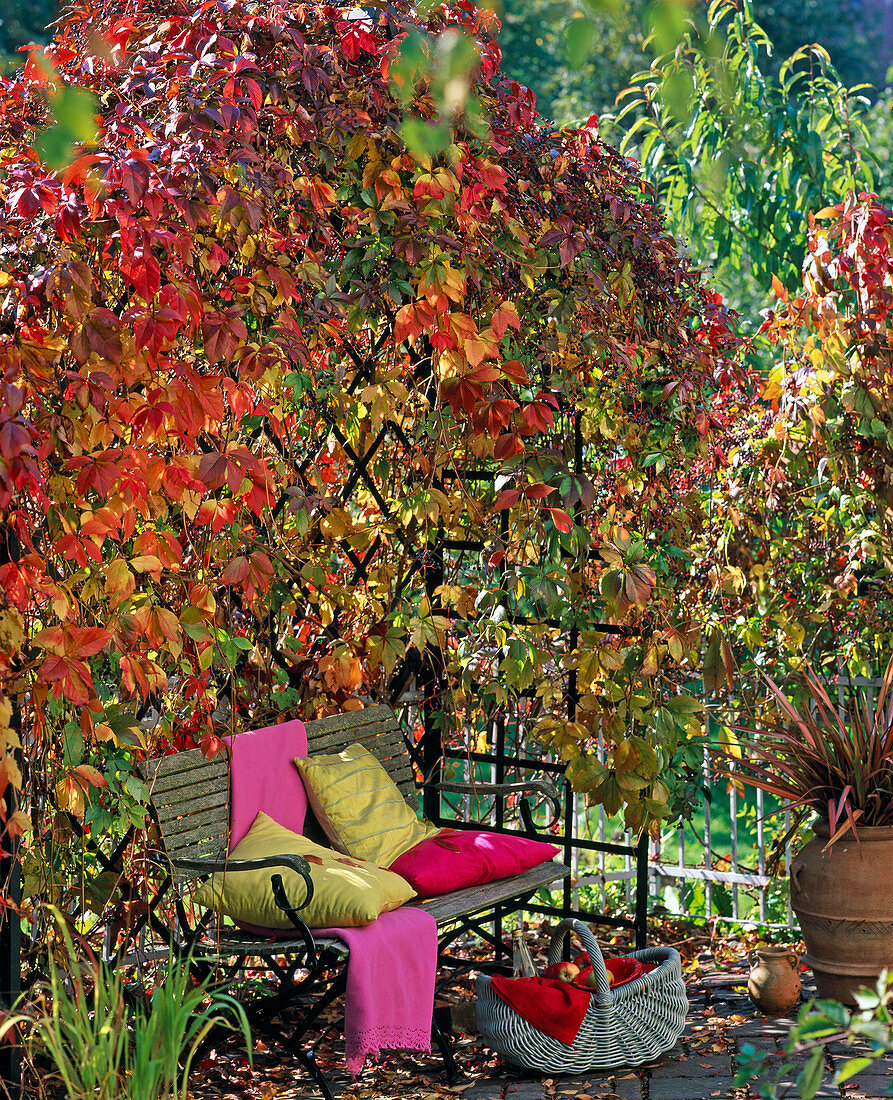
[{"x": 190, "y": 801}]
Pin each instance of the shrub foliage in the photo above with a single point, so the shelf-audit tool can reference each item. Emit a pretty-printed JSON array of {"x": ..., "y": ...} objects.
[{"x": 270, "y": 376}]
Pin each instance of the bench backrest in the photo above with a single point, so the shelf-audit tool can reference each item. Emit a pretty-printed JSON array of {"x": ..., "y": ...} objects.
[{"x": 190, "y": 794}]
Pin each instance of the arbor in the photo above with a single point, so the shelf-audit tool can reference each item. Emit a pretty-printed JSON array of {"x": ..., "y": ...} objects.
[{"x": 281, "y": 376}]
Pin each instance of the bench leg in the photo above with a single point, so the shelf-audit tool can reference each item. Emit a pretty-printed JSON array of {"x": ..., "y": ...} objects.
[
  {"x": 305, "y": 1057},
  {"x": 451, "y": 1070}
]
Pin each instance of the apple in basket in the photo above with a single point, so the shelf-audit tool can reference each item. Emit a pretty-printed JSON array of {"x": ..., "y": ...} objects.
[
  {"x": 563, "y": 971},
  {"x": 583, "y": 961},
  {"x": 587, "y": 979}
]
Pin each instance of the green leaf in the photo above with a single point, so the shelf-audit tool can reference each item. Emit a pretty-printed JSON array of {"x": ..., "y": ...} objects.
[
  {"x": 72, "y": 745},
  {"x": 74, "y": 110},
  {"x": 814, "y": 151},
  {"x": 851, "y": 1067},
  {"x": 579, "y": 40},
  {"x": 426, "y": 138},
  {"x": 810, "y": 1078},
  {"x": 137, "y": 789}
]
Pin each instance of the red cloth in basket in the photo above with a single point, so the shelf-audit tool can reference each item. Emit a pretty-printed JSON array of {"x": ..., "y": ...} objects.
[
  {"x": 552, "y": 1006},
  {"x": 555, "y": 1007}
]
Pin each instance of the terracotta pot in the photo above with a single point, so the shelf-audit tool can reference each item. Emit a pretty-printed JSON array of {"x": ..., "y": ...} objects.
[
  {"x": 774, "y": 982},
  {"x": 843, "y": 899}
]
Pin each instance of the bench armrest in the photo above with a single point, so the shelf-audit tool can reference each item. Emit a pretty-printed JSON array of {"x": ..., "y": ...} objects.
[
  {"x": 294, "y": 863},
  {"x": 492, "y": 790},
  {"x": 205, "y": 865}
]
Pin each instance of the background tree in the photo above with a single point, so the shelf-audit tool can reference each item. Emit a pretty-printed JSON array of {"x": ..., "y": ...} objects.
[
  {"x": 739, "y": 157},
  {"x": 577, "y": 57},
  {"x": 24, "y": 21}
]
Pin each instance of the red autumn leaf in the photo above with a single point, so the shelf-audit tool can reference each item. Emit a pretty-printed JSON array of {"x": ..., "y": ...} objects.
[
  {"x": 211, "y": 743},
  {"x": 236, "y": 571},
  {"x": 506, "y": 499},
  {"x": 135, "y": 179},
  {"x": 561, "y": 519},
  {"x": 223, "y": 333},
  {"x": 14, "y": 439},
  {"x": 212, "y": 469},
  {"x": 462, "y": 394},
  {"x": 218, "y": 513},
  {"x": 537, "y": 492},
  {"x": 516, "y": 371},
  {"x": 100, "y": 334},
  {"x": 70, "y": 678},
  {"x": 87, "y": 641},
  {"x": 506, "y": 316},
  {"x": 508, "y": 445},
  {"x": 357, "y": 41}
]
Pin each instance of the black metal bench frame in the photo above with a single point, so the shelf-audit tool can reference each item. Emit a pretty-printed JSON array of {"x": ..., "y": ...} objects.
[{"x": 190, "y": 804}]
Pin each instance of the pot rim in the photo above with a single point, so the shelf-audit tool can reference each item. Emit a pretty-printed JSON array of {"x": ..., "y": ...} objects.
[
  {"x": 774, "y": 951},
  {"x": 821, "y": 828}
]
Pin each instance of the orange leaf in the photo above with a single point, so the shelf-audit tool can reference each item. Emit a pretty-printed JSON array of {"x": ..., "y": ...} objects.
[{"x": 94, "y": 778}]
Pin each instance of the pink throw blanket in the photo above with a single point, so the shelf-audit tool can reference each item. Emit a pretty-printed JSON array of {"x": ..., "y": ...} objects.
[
  {"x": 392, "y": 965},
  {"x": 263, "y": 776},
  {"x": 389, "y": 999}
]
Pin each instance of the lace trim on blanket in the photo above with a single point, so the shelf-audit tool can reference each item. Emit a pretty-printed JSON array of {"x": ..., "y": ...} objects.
[{"x": 373, "y": 1040}]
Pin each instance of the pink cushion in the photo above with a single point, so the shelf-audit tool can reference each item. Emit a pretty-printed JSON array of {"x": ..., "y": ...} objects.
[{"x": 465, "y": 857}]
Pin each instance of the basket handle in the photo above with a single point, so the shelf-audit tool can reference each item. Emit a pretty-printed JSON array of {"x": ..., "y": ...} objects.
[{"x": 603, "y": 992}]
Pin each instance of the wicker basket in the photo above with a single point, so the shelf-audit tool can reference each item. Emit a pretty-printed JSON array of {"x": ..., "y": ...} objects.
[{"x": 633, "y": 1024}]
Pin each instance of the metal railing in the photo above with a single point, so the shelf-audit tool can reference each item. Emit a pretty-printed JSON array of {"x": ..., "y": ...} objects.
[
  {"x": 736, "y": 881},
  {"x": 715, "y": 868}
]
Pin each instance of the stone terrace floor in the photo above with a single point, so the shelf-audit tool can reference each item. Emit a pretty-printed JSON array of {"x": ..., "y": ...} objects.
[
  {"x": 721, "y": 1021},
  {"x": 702, "y": 1066}
]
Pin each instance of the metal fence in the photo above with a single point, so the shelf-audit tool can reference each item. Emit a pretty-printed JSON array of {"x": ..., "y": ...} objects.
[
  {"x": 735, "y": 884},
  {"x": 715, "y": 867}
]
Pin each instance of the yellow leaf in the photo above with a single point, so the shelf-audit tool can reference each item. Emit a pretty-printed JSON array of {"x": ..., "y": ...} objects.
[
  {"x": 147, "y": 563},
  {"x": 12, "y": 630},
  {"x": 70, "y": 796}
]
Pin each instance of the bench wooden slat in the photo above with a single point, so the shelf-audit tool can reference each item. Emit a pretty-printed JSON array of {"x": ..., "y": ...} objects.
[
  {"x": 378, "y": 716},
  {"x": 200, "y": 844},
  {"x": 181, "y": 823},
  {"x": 474, "y": 899},
  {"x": 192, "y": 786},
  {"x": 164, "y": 769},
  {"x": 212, "y": 791},
  {"x": 388, "y": 744}
]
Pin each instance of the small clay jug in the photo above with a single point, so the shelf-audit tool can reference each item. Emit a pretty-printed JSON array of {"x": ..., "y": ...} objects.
[{"x": 774, "y": 982}]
